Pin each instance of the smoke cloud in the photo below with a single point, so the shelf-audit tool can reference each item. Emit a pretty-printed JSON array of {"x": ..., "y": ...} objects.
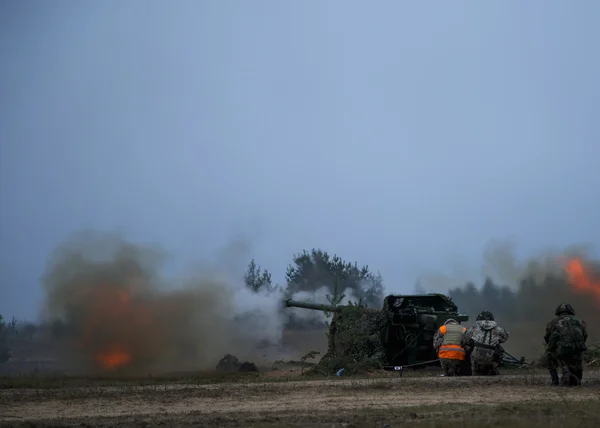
[
  {"x": 112, "y": 309},
  {"x": 502, "y": 264},
  {"x": 523, "y": 295}
]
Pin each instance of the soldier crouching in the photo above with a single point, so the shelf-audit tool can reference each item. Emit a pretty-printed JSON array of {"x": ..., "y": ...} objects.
[
  {"x": 449, "y": 345},
  {"x": 484, "y": 339},
  {"x": 566, "y": 337}
]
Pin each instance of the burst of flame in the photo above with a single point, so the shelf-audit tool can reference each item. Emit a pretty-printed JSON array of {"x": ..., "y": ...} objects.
[
  {"x": 116, "y": 357},
  {"x": 113, "y": 359},
  {"x": 580, "y": 277},
  {"x": 110, "y": 306},
  {"x": 120, "y": 326}
]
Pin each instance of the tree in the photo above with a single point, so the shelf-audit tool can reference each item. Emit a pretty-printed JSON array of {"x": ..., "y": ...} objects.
[
  {"x": 500, "y": 300},
  {"x": 315, "y": 269},
  {"x": 28, "y": 330},
  {"x": 335, "y": 299},
  {"x": 4, "y": 350},
  {"x": 256, "y": 280}
]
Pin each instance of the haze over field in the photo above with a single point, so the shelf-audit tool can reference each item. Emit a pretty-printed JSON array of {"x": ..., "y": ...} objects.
[
  {"x": 111, "y": 309},
  {"x": 403, "y": 136}
]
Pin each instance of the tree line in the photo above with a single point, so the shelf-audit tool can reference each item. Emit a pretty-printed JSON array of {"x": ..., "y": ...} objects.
[
  {"x": 9, "y": 331},
  {"x": 532, "y": 301},
  {"x": 315, "y": 269}
]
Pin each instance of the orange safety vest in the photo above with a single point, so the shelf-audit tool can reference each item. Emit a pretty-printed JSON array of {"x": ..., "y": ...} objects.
[{"x": 451, "y": 348}]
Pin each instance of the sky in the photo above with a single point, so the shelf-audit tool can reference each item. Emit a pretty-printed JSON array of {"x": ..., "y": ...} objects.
[{"x": 403, "y": 135}]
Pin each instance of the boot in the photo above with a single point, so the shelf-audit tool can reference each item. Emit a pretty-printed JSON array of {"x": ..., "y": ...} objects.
[
  {"x": 565, "y": 379},
  {"x": 554, "y": 376},
  {"x": 495, "y": 370},
  {"x": 575, "y": 378},
  {"x": 446, "y": 370}
]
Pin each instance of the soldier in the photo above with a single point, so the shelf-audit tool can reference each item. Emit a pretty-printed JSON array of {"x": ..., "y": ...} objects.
[
  {"x": 565, "y": 338},
  {"x": 483, "y": 341},
  {"x": 448, "y": 342}
]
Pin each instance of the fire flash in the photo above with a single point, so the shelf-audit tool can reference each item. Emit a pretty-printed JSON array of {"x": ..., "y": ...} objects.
[{"x": 581, "y": 278}]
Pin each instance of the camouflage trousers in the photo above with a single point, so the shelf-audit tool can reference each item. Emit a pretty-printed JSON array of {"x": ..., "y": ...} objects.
[
  {"x": 571, "y": 368},
  {"x": 485, "y": 362},
  {"x": 450, "y": 367},
  {"x": 484, "y": 368}
]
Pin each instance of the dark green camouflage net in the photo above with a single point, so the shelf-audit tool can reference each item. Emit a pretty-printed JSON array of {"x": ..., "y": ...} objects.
[{"x": 354, "y": 342}]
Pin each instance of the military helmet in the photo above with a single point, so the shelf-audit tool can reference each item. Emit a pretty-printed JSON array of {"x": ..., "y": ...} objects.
[
  {"x": 485, "y": 316},
  {"x": 450, "y": 321},
  {"x": 564, "y": 308}
]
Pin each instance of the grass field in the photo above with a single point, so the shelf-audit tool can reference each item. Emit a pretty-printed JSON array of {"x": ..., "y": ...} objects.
[{"x": 283, "y": 398}]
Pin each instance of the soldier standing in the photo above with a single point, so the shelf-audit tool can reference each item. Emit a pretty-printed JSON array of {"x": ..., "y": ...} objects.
[
  {"x": 483, "y": 340},
  {"x": 448, "y": 343},
  {"x": 565, "y": 338}
]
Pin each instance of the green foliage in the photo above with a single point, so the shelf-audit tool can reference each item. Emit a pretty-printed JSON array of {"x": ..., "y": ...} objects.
[
  {"x": 334, "y": 299},
  {"x": 315, "y": 269},
  {"x": 337, "y": 297},
  {"x": 354, "y": 341},
  {"x": 305, "y": 363},
  {"x": 257, "y": 280},
  {"x": 592, "y": 355}
]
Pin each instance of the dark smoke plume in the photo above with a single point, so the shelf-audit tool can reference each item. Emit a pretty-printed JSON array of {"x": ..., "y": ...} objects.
[
  {"x": 525, "y": 297},
  {"x": 112, "y": 310}
]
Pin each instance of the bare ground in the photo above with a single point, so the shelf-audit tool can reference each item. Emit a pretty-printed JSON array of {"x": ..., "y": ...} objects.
[{"x": 423, "y": 400}]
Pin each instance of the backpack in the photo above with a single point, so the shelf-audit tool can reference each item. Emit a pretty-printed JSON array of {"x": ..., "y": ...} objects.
[
  {"x": 568, "y": 337},
  {"x": 485, "y": 341}
]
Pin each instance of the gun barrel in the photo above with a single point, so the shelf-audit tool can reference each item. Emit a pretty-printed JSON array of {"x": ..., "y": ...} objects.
[{"x": 314, "y": 306}]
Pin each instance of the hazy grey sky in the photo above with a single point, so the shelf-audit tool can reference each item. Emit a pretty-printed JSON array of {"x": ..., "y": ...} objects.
[{"x": 404, "y": 135}]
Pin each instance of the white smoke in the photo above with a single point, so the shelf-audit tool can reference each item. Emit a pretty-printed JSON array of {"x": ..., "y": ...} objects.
[
  {"x": 260, "y": 314},
  {"x": 319, "y": 296}
]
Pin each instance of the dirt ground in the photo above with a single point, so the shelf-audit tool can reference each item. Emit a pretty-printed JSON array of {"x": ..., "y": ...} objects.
[{"x": 268, "y": 401}]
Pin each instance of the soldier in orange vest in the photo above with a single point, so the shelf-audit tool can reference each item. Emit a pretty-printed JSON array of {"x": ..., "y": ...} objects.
[{"x": 449, "y": 345}]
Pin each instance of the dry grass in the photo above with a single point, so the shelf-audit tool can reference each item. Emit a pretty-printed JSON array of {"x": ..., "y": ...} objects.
[
  {"x": 281, "y": 374},
  {"x": 517, "y": 399},
  {"x": 533, "y": 415}
]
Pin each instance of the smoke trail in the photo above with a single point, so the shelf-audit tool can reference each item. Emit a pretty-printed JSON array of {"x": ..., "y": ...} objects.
[{"x": 116, "y": 311}]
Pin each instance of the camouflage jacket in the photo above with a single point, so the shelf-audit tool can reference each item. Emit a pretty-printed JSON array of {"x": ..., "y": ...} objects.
[
  {"x": 483, "y": 341},
  {"x": 487, "y": 333},
  {"x": 558, "y": 332}
]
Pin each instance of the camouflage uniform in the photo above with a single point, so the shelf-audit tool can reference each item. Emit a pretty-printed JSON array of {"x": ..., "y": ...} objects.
[
  {"x": 565, "y": 339},
  {"x": 483, "y": 343},
  {"x": 448, "y": 342}
]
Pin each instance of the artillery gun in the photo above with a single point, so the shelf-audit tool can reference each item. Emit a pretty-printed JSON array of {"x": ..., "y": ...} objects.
[{"x": 400, "y": 334}]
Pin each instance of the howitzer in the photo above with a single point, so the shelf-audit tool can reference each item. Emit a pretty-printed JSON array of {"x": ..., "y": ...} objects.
[{"x": 401, "y": 332}]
